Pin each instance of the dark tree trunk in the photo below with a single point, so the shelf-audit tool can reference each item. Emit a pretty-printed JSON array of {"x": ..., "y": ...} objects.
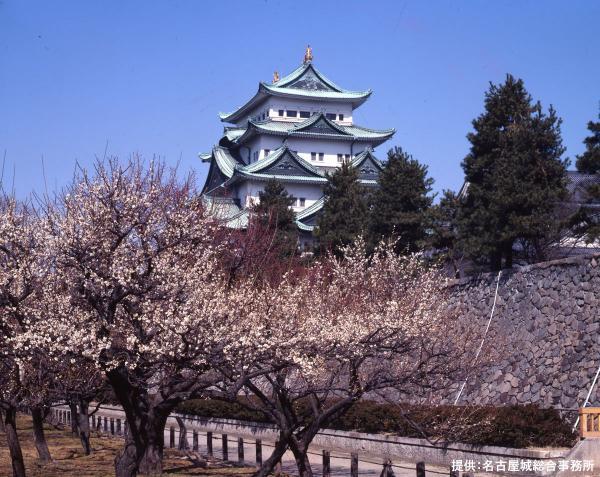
[
  {"x": 83, "y": 423},
  {"x": 183, "y": 443},
  {"x": 12, "y": 439},
  {"x": 269, "y": 464},
  {"x": 74, "y": 429},
  {"x": 126, "y": 461},
  {"x": 37, "y": 416},
  {"x": 508, "y": 256},
  {"x": 151, "y": 461},
  {"x": 1, "y": 421},
  {"x": 146, "y": 417},
  {"x": 496, "y": 260},
  {"x": 300, "y": 451}
]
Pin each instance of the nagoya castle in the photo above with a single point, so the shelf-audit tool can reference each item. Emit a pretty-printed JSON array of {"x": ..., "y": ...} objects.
[{"x": 296, "y": 130}]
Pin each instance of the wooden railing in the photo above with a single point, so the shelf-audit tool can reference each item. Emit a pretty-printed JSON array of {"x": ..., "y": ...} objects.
[{"x": 589, "y": 422}]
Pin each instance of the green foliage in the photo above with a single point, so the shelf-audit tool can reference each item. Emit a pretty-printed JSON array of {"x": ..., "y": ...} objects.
[
  {"x": 586, "y": 221},
  {"x": 509, "y": 426},
  {"x": 589, "y": 161},
  {"x": 515, "y": 175},
  {"x": 222, "y": 409},
  {"x": 274, "y": 212},
  {"x": 400, "y": 204},
  {"x": 442, "y": 220},
  {"x": 344, "y": 213}
]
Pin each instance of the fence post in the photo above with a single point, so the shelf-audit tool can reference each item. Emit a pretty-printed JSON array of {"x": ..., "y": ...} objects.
[
  {"x": 240, "y": 450},
  {"x": 105, "y": 424},
  {"x": 126, "y": 428},
  {"x": 354, "y": 464},
  {"x": 209, "y": 444},
  {"x": 195, "y": 441},
  {"x": 94, "y": 421},
  {"x": 387, "y": 469},
  {"x": 420, "y": 469},
  {"x": 112, "y": 426},
  {"x": 258, "y": 452},
  {"x": 119, "y": 426},
  {"x": 326, "y": 464},
  {"x": 225, "y": 449},
  {"x": 171, "y": 437}
]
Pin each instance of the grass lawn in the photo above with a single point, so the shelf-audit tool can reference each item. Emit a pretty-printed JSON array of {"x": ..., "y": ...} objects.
[{"x": 69, "y": 460}]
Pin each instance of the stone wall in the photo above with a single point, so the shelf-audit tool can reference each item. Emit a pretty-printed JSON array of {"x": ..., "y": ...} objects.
[{"x": 545, "y": 333}]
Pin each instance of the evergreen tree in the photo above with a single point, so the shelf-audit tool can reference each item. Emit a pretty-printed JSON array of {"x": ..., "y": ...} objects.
[
  {"x": 344, "y": 213},
  {"x": 515, "y": 175},
  {"x": 442, "y": 219},
  {"x": 401, "y": 203},
  {"x": 273, "y": 212},
  {"x": 589, "y": 161},
  {"x": 586, "y": 222}
]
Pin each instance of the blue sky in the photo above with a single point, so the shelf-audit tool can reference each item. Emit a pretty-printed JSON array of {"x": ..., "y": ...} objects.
[{"x": 150, "y": 77}]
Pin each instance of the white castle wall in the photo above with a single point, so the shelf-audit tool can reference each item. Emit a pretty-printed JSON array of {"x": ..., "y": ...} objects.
[
  {"x": 331, "y": 148},
  {"x": 272, "y": 106},
  {"x": 249, "y": 190}
]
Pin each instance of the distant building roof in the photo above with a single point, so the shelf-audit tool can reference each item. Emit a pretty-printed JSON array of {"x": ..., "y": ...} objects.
[
  {"x": 317, "y": 126},
  {"x": 305, "y": 82}
]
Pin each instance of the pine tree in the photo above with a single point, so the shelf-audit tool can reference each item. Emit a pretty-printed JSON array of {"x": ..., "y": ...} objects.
[
  {"x": 589, "y": 161},
  {"x": 586, "y": 222},
  {"x": 273, "y": 212},
  {"x": 344, "y": 214},
  {"x": 515, "y": 175},
  {"x": 400, "y": 204},
  {"x": 442, "y": 219}
]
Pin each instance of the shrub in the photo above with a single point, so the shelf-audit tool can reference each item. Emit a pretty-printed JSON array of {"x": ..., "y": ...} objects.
[{"x": 507, "y": 426}]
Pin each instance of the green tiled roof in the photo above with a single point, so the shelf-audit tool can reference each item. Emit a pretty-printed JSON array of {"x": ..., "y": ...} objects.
[
  {"x": 317, "y": 81},
  {"x": 304, "y": 227},
  {"x": 225, "y": 160},
  {"x": 304, "y": 82},
  {"x": 314, "y": 208},
  {"x": 308, "y": 212},
  {"x": 221, "y": 207},
  {"x": 295, "y": 170},
  {"x": 347, "y": 95},
  {"x": 363, "y": 156},
  {"x": 236, "y": 171},
  {"x": 274, "y": 156},
  {"x": 233, "y": 133},
  {"x": 309, "y": 129}
]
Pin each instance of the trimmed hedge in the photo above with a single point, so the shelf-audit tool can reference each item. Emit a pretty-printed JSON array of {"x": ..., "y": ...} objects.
[{"x": 506, "y": 426}]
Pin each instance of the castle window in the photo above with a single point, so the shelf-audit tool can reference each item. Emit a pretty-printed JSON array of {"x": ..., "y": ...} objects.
[
  {"x": 347, "y": 157},
  {"x": 340, "y": 117},
  {"x": 281, "y": 112},
  {"x": 267, "y": 151},
  {"x": 304, "y": 114},
  {"x": 330, "y": 116},
  {"x": 321, "y": 157},
  {"x": 292, "y": 114},
  {"x": 302, "y": 201},
  {"x": 313, "y": 156},
  {"x": 340, "y": 157}
]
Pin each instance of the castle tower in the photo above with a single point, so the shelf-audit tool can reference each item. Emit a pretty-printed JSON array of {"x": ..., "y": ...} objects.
[{"x": 295, "y": 129}]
